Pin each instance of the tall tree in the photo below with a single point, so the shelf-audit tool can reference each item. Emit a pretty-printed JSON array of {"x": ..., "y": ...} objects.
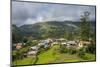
[{"x": 85, "y": 26}]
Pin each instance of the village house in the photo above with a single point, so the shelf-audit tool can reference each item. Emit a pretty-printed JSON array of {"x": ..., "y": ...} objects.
[
  {"x": 18, "y": 45},
  {"x": 62, "y": 40},
  {"x": 59, "y": 41},
  {"x": 33, "y": 51},
  {"x": 83, "y": 43},
  {"x": 76, "y": 44},
  {"x": 69, "y": 44},
  {"x": 63, "y": 43},
  {"x": 54, "y": 43},
  {"x": 45, "y": 43},
  {"x": 40, "y": 44}
]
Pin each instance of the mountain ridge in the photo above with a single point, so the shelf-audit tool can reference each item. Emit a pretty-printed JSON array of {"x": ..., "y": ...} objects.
[{"x": 49, "y": 28}]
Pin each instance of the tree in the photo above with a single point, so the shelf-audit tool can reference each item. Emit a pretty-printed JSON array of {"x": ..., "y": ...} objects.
[
  {"x": 81, "y": 52},
  {"x": 16, "y": 38},
  {"x": 70, "y": 35},
  {"x": 85, "y": 26},
  {"x": 63, "y": 49},
  {"x": 91, "y": 48},
  {"x": 30, "y": 38},
  {"x": 25, "y": 39}
]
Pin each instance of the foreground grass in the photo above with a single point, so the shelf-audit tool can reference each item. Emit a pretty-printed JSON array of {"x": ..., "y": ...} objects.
[
  {"x": 25, "y": 61},
  {"x": 53, "y": 56},
  {"x": 89, "y": 57}
]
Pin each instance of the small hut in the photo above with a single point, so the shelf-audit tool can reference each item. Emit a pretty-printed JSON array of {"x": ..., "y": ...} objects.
[{"x": 33, "y": 51}]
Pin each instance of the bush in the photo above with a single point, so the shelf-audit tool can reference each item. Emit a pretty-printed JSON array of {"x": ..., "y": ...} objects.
[
  {"x": 81, "y": 52},
  {"x": 17, "y": 55},
  {"x": 85, "y": 57},
  {"x": 89, "y": 57},
  {"x": 14, "y": 55},
  {"x": 63, "y": 49},
  {"x": 34, "y": 42},
  {"x": 72, "y": 51},
  {"x": 91, "y": 49}
]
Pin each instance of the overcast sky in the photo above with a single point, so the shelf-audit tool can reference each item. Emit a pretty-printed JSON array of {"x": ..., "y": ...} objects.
[{"x": 30, "y": 13}]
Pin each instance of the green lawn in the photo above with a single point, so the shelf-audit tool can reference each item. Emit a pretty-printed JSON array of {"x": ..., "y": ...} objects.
[
  {"x": 53, "y": 56},
  {"x": 25, "y": 61},
  {"x": 89, "y": 57}
]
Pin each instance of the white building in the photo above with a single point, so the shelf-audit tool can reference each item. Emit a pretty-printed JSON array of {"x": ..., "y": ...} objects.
[{"x": 33, "y": 51}]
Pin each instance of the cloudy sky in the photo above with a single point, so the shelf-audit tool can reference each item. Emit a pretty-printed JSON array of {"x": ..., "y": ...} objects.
[{"x": 30, "y": 13}]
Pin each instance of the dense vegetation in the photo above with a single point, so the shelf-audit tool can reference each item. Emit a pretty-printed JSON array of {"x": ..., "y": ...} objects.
[{"x": 59, "y": 29}]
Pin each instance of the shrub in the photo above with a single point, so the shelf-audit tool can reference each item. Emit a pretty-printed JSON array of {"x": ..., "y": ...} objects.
[
  {"x": 88, "y": 56},
  {"x": 72, "y": 51},
  {"x": 91, "y": 49},
  {"x": 34, "y": 42},
  {"x": 63, "y": 49},
  {"x": 14, "y": 55},
  {"x": 81, "y": 52}
]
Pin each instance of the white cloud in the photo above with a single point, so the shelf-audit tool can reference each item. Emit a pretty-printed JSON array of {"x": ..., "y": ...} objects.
[{"x": 28, "y": 13}]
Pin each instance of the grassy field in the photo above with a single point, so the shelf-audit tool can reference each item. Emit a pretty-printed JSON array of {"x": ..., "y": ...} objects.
[
  {"x": 25, "y": 61},
  {"x": 53, "y": 56}
]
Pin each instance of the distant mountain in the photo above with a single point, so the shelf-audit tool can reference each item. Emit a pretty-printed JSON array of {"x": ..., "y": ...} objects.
[{"x": 48, "y": 29}]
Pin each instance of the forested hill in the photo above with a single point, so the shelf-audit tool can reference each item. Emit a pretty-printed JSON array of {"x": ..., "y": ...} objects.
[{"x": 48, "y": 29}]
